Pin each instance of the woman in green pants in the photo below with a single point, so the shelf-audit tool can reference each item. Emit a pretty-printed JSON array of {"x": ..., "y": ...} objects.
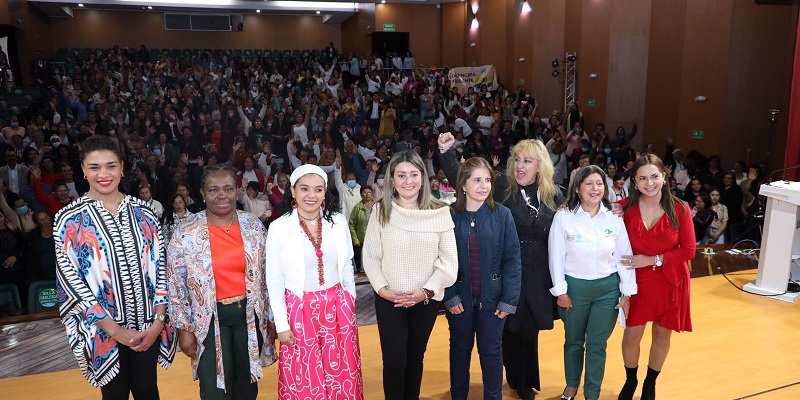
[{"x": 587, "y": 244}]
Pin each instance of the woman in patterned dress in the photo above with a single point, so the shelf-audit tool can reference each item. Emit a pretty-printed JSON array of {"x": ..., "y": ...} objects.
[
  {"x": 218, "y": 300},
  {"x": 111, "y": 281},
  {"x": 312, "y": 290}
]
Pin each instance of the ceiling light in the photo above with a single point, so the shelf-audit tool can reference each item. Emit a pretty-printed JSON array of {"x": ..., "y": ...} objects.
[
  {"x": 258, "y": 11},
  {"x": 149, "y": 7},
  {"x": 318, "y": 12},
  {"x": 80, "y": 4}
]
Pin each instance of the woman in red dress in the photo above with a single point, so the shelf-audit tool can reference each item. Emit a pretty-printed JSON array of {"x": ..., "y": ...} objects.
[{"x": 662, "y": 237}]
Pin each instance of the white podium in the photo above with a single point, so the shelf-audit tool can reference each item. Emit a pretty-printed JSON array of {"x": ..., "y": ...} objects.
[{"x": 777, "y": 242}]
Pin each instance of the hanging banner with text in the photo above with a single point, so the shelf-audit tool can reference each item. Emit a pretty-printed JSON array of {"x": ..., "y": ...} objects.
[{"x": 463, "y": 78}]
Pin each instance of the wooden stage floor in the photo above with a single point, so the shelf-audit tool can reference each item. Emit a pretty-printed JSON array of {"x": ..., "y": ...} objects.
[{"x": 743, "y": 347}]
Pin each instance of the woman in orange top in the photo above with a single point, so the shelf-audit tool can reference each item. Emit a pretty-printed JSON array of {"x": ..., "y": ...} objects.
[{"x": 218, "y": 295}]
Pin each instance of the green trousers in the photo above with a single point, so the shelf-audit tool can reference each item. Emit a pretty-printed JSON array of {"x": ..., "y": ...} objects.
[
  {"x": 587, "y": 327},
  {"x": 235, "y": 356}
]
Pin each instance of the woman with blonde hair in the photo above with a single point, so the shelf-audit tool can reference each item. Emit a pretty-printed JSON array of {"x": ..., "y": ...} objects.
[
  {"x": 529, "y": 192},
  {"x": 410, "y": 257}
]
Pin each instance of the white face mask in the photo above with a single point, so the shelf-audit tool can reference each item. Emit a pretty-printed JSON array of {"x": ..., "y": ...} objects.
[{"x": 380, "y": 182}]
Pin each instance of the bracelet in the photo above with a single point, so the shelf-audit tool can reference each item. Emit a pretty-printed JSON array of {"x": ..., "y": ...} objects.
[{"x": 425, "y": 293}]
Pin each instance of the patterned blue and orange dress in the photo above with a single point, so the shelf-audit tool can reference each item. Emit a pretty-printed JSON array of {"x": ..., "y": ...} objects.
[{"x": 109, "y": 266}]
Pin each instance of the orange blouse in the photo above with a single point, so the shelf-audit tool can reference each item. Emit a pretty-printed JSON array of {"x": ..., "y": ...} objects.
[{"x": 227, "y": 260}]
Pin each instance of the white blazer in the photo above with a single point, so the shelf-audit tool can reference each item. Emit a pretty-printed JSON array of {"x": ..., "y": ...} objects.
[{"x": 286, "y": 267}]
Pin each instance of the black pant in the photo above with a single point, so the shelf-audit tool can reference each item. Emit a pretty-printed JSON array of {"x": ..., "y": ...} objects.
[
  {"x": 521, "y": 359},
  {"x": 357, "y": 260},
  {"x": 137, "y": 375},
  {"x": 404, "y": 334},
  {"x": 235, "y": 356}
]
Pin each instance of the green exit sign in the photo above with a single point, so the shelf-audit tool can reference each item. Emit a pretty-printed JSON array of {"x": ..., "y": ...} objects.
[
  {"x": 522, "y": 81},
  {"x": 473, "y": 63},
  {"x": 591, "y": 102},
  {"x": 698, "y": 135},
  {"x": 388, "y": 27}
]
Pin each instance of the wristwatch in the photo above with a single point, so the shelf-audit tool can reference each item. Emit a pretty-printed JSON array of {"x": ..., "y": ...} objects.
[
  {"x": 164, "y": 318},
  {"x": 658, "y": 260}
]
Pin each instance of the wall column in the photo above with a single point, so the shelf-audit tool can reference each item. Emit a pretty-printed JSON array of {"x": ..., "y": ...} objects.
[{"x": 792, "y": 157}]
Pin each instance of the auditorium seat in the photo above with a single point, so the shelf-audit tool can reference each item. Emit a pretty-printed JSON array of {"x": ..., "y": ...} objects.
[{"x": 10, "y": 303}]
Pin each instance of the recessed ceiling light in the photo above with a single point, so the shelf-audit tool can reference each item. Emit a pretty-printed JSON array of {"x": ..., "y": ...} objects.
[
  {"x": 258, "y": 11},
  {"x": 317, "y": 12},
  {"x": 80, "y": 4},
  {"x": 383, "y": 1},
  {"x": 149, "y": 7}
]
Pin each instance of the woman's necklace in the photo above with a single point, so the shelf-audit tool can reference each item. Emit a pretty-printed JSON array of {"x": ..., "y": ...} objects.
[
  {"x": 650, "y": 215},
  {"x": 317, "y": 245},
  {"x": 312, "y": 221},
  {"x": 228, "y": 229}
]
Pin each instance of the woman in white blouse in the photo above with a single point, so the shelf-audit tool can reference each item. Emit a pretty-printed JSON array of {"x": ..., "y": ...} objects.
[
  {"x": 587, "y": 243},
  {"x": 312, "y": 293}
]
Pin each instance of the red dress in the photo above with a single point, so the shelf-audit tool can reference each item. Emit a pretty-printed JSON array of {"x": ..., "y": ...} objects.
[{"x": 663, "y": 295}]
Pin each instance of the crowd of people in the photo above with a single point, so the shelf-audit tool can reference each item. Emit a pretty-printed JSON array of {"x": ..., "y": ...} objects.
[{"x": 228, "y": 172}]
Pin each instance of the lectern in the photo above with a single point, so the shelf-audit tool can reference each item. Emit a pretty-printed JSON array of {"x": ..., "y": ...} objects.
[{"x": 780, "y": 227}]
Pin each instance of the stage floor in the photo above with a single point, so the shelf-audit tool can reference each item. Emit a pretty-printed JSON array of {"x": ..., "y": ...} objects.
[{"x": 743, "y": 347}]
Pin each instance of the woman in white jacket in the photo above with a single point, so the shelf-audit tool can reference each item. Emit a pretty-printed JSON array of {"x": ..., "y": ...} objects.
[{"x": 318, "y": 283}]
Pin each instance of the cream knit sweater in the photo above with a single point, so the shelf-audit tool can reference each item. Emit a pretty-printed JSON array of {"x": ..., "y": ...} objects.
[{"x": 415, "y": 249}]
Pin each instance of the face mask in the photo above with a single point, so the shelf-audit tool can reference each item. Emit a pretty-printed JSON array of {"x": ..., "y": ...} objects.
[
  {"x": 351, "y": 183},
  {"x": 607, "y": 151},
  {"x": 584, "y": 149},
  {"x": 157, "y": 152},
  {"x": 15, "y": 124},
  {"x": 380, "y": 182},
  {"x": 22, "y": 210}
]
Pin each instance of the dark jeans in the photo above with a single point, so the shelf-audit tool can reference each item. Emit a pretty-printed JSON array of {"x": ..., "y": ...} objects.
[
  {"x": 488, "y": 329},
  {"x": 137, "y": 375},
  {"x": 404, "y": 334},
  {"x": 235, "y": 356}
]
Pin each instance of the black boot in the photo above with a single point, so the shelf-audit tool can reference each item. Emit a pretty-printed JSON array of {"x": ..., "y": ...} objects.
[
  {"x": 631, "y": 381},
  {"x": 649, "y": 385}
]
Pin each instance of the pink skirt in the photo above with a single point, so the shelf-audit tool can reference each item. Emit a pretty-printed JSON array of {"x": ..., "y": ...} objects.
[{"x": 325, "y": 362}]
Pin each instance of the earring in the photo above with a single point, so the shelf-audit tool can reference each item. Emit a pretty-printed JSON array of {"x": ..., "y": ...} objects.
[
  {"x": 84, "y": 177},
  {"x": 464, "y": 190},
  {"x": 294, "y": 203}
]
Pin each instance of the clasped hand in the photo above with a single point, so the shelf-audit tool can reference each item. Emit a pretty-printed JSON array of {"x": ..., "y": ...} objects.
[{"x": 402, "y": 299}]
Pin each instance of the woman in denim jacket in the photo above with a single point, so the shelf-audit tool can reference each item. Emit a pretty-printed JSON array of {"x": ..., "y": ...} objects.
[{"x": 488, "y": 283}]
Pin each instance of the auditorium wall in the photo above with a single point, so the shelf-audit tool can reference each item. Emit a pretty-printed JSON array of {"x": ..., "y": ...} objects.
[
  {"x": 105, "y": 28},
  {"x": 652, "y": 59},
  {"x": 422, "y": 22},
  {"x": 33, "y": 33}
]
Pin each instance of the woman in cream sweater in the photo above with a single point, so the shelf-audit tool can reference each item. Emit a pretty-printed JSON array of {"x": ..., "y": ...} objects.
[{"x": 410, "y": 257}]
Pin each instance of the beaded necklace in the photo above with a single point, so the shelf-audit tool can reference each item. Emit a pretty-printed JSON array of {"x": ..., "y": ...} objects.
[{"x": 317, "y": 245}]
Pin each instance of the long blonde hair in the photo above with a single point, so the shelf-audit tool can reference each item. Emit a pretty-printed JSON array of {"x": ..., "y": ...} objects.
[
  {"x": 425, "y": 200},
  {"x": 535, "y": 149}
]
